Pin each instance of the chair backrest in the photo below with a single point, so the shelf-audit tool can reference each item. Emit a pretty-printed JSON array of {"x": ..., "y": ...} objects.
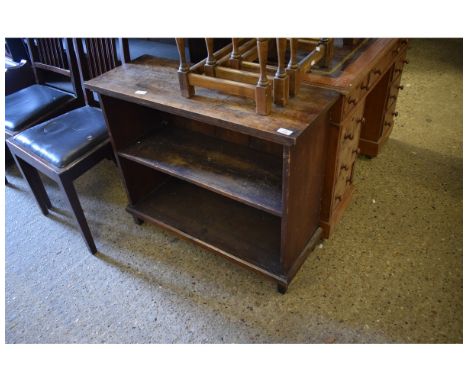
[
  {"x": 54, "y": 55},
  {"x": 97, "y": 56}
]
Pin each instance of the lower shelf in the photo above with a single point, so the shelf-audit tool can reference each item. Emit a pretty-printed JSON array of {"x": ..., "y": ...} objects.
[{"x": 241, "y": 233}]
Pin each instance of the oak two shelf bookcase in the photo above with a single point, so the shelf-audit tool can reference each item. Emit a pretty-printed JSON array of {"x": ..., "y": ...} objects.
[{"x": 245, "y": 186}]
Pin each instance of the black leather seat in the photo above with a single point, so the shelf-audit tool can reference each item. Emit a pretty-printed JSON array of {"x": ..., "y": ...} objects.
[
  {"x": 29, "y": 104},
  {"x": 65, "y": 138}
]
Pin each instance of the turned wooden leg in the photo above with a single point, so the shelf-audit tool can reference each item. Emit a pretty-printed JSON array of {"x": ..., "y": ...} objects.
[
  {"x": 282, "y": 288},
  {"x": 263, "y": 95},
  {"x": 327, "y": 44},
  {"x": 110, "y": 154},
  {"x": 72, "y": 198},
  {"x": 186, "y": 89},
  {"x": 293, "y": 68},
  {"x": 210, "y": 65},
  {"x": 281, "y": 81},
  {"x": 236, "y": 57},
  {"x": 35, "y": 184}
]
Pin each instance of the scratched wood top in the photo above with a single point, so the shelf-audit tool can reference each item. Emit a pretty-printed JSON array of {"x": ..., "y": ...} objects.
[
  {"x": 355, "y": 68},
  {"x": 158, "y": 77}
]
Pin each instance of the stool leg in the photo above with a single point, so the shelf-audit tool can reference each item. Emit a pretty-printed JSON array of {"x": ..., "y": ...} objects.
[
  {"x": 72, "y": 198},
  {"x": 35, "y": 183}
]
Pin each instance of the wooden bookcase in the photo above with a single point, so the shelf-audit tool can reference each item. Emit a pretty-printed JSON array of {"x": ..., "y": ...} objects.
[{"x": 214, "y": 172}]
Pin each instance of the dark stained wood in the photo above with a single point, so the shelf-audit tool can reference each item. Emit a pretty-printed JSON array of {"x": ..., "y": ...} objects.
[
  {"x": 304, "y": 169},
  {"x": 380, "y": 109},
  {"x": 124, "y": 49},
  {"x": 158, "y": 77},
  {"x": 362, "y": 116},
  {"x": 293, "y": 68},
  {"x": 52, "y": 54},
  {"x": 63, "y": 72},
  {"x": 375, "y": 109},
  {"x": 139, "y": 180},
  {"x": 343, "y": 140},
  {"x": 237, "y": 172},
  {"x": 329, "y": 51},
  {"x": 241, "y": 233},
  {"x": 211, "y": 170},
  {"x": 281, "y": 80},
  {"x": 66, "y": 184},
  {"x": 121, "y": 114},
  {"x": 186, "y": 88},
  {"x": 345, "y": 78},
  {"x": 35, "y": 183},
  {"x": 41, "y": 62},
  {"x": 98, "y": 58}
]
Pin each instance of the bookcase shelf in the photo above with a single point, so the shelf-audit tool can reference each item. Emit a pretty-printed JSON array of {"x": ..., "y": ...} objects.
[
  {"x": 237, "y": 172},
  {"x": 239, "y": 232}
]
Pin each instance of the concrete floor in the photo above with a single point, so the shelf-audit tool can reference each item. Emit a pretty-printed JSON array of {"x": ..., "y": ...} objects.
[{"x": 392, "y": 272}]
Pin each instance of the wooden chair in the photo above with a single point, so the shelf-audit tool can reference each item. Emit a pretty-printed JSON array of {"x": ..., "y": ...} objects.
[
  {"x": 41, "y": 101},
  {"x": 66, "y": 146},
  {"x": 33, "y": 104}
]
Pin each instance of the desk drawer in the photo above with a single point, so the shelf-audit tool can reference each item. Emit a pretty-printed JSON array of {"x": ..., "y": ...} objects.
[
  {"x": 396, "y": 53},
  {"x": 395, "y": 87},
  {"x": 389, "y": 117},
  {"x": 348, "y": 151},
  {"x": 399, "y": 65},
  {"x": 354, "y": 97}
]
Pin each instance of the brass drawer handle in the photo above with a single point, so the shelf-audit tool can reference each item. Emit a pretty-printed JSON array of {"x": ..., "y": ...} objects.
[
  {"x": 349, "y": 136},
  {"x": 344, "y": 167},
  {"x": 352, "y": 101},
  {"x": 338, "y": 198},
  {"x": 406, "y": 62},
  {"x": 361, "y": 120},
  {"x": 401, "y": 87},
  {"x": 395, "y": 114}
]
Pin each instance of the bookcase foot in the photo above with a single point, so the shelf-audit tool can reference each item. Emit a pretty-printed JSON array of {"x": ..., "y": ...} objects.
[
  {"x": 282, "y": 288},
  {"x": 137, "y": 220}
]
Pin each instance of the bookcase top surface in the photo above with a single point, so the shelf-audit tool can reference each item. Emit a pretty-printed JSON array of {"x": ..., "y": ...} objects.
[{"x": 153, "y": 82}]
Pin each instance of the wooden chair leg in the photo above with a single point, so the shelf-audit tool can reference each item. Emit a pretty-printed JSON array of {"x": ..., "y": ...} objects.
[
  {"x": 35, "y": 183},
  {"x": 110, "y": 155},
  {"x": 72, "y": 198}
]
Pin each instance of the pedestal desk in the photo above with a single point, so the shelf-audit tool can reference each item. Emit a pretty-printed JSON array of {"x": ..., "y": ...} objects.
[
  {"x": 368, "y": 79},
  {"x": 245, "y": 186}
]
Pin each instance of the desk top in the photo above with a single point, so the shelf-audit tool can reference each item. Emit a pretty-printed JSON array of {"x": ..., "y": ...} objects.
[
  {"x": 158, "y": 78},
  {"x": 353, "y": 67}
]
